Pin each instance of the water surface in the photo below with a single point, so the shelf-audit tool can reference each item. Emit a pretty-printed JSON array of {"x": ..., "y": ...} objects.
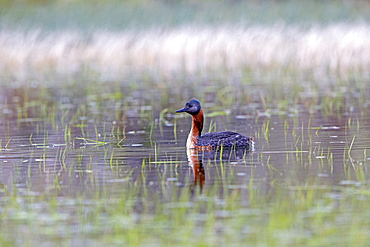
[{"x": 62, "y": 157}]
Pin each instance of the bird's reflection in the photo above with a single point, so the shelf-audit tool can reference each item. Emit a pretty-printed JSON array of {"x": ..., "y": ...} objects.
[
  {"x": 195, "y": 162},
  {"x": 197, "y": 156}
]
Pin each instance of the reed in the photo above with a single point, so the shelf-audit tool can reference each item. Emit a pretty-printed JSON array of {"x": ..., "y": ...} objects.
[{"x": 124, "y": 54}]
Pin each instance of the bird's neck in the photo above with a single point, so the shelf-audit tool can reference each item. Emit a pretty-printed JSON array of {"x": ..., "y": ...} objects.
[{"x": 196, "y": 129}]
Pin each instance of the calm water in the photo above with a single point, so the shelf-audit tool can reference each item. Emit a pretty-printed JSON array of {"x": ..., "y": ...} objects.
[
  {"x": 33, "y": 151},
  {"x": 96, "y": 154}
]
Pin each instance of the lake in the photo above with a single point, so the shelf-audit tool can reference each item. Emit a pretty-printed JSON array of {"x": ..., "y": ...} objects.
[{"x": 85, "y": 168}]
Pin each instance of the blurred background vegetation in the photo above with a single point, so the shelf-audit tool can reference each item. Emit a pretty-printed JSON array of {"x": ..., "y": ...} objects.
[
  {"x": 307, "y": 46},
  {"x": 113, "y": 14}
]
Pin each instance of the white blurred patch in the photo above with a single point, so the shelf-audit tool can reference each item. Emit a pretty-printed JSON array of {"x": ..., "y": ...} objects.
[{"x": 336, "y": 49}]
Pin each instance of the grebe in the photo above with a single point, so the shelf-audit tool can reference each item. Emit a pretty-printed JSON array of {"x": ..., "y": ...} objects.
[{"x": 214, "y": 139}]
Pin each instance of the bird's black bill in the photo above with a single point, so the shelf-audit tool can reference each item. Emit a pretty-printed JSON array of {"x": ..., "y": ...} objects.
[{"x": 182, "y": 110}]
